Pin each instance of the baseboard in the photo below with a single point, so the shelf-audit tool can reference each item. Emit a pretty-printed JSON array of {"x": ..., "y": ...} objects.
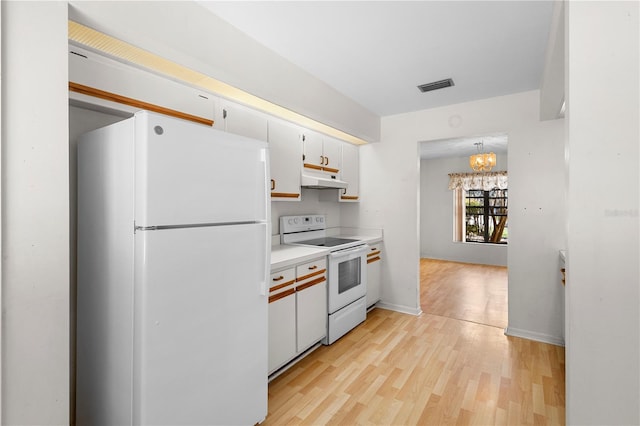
[
  {"x": 532, "y": 335},
  {"x": 399, "y": 308}
]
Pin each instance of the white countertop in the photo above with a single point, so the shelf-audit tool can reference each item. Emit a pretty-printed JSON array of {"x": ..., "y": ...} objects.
[{"x": 285, "y": 255}]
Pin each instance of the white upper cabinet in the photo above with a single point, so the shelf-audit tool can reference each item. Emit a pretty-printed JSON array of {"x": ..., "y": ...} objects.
[
  {"x": 285, "y": 150},
  {"x": 321, "y": 153},
  {"x": 332, "y": 149},
  {"x": 350, "y": 172},
  {"x": 241, "y": 120},
  {"x": 105, "y": 83}
]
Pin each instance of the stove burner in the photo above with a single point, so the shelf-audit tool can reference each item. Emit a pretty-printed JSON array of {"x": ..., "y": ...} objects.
[{"x": 327, "y": 242}]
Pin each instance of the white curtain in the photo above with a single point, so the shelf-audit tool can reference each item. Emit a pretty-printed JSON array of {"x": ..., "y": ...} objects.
[{"x": 485, "y": 181}]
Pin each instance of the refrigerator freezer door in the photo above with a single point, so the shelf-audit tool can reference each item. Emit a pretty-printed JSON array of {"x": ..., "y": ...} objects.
[
  {"x": 192, "y": 174},
  {"x": 201, "y": 318}
]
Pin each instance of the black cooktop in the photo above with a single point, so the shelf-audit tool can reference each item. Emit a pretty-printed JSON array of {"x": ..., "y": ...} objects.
[{"x": 327, "y": 242}]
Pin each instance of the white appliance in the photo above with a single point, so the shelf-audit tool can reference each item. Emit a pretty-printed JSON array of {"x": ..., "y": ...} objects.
[
  {"x": 173, "y": 263},
  {"x": 347, "y": 267}
]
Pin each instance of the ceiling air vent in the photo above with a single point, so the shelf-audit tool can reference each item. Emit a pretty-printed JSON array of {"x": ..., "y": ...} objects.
[{"x": 436, "y": 85}]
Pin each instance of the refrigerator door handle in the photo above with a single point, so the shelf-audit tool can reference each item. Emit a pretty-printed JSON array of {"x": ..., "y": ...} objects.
[{"x": 266, "y": 272}]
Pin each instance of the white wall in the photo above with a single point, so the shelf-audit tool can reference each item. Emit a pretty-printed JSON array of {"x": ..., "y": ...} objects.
[
  {"x": 437, "y": 216},
  {"x": 35, "y": 203},
  {"x": 603, "y": 117},
  {"x": 314, "y": 201},
  {"x": 189, "y": 34},
  {"x": 389, "y": 186}
]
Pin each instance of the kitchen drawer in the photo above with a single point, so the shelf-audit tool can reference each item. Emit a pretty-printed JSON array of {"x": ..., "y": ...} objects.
[
  {"x": 280, "y": 280},
  {"x": 311, "y": 269},
  {"x": 374, "y": 252}
]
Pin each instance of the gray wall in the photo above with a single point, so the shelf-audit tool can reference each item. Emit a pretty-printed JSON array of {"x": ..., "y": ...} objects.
[{"x": 436, "y": 215}]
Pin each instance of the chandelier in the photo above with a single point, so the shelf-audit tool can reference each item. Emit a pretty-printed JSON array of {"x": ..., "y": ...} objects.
[{"x": 482, "y": 161}]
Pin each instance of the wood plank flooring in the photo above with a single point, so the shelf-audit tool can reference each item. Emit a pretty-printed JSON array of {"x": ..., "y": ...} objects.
[
  {"x": 464, "y": 291},
  {"x": 397, "y": 369}
]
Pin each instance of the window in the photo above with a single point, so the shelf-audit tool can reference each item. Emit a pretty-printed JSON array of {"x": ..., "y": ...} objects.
[{"x": 481, "y": 216}]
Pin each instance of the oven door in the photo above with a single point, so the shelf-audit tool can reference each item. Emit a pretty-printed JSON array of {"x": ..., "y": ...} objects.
[{"x": 347, "y": 276}]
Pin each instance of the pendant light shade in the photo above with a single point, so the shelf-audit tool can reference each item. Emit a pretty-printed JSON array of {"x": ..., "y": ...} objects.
[{"x": 482, "y": 161}]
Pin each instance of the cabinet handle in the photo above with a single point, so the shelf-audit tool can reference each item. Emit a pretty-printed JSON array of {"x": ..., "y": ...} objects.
[
  {"x": 273, "y": 184},
  {"x": 322, "y": 160},
  {"x": 280, "y": 278},
  {"x": 327, "y": 163},
  {"x": 311, "y": 268}
]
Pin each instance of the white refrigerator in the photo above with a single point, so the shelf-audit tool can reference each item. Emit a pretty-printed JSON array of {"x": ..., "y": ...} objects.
[{"x": 173, "y": 262}]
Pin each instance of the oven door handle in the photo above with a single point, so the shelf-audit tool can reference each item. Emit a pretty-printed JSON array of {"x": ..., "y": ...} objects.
[{"x": 346, "y": 252}]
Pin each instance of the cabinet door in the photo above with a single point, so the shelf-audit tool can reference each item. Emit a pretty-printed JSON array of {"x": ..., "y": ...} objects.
[
  {"x": 285, "y": 146},
  {"x": 243, "y": 121},
  {"x": 312, "y": 315},
  {"x": 350, "y": 172},
  {"x": 374, "y": 277},
  {"x": 332, "y": 152},
  {"x": 282, "y": 330},
  {"x": 313, "y": 156}
]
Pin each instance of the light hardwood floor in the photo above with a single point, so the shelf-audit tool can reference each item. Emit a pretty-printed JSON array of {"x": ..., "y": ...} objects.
[
  {"x": 397, "y": 369},
  {"x": 464, "y": 291}
]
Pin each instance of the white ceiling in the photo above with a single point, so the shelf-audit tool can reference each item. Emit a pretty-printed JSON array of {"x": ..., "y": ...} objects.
[
  {"x": 377, "y": 52},
  {"x": 462, "y": 147}
]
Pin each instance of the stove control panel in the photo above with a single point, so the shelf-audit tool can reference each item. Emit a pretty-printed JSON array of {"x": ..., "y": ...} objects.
[{"x": 309, "y": 222}]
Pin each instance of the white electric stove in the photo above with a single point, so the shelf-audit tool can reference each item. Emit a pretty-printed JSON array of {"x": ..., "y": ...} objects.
[{"x": 347, "y": 268}]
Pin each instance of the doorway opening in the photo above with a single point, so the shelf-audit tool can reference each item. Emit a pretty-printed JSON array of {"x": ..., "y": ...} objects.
[{"x": 462, "y": 277}]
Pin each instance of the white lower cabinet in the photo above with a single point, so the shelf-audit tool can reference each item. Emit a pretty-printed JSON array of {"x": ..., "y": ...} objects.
[
  {"x": 374, "y": 278},
  {"x": 282, "y": 308},
  {"x": 297, "y": 311},
  {"x": 311, "y": 316}
]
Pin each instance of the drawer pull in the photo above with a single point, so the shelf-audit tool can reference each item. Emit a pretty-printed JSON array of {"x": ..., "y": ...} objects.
[
  {"x": 280, "y": 278},
  {"x": 311, "y": 268}
]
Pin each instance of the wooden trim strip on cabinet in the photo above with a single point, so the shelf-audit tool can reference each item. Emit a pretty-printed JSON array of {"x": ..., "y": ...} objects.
[
  {"x": 349, "y": 197},
  {"x": 312, "y": 166},
  {"x": 321, "y": 168},
  {"x": 311, "y": 283},
  {"x": 313, "y": 274},
  {"x": 279, "y": 286},
  {"x": 284, "y": 195},
  {"x": 281, "y": 295},
  {"x": 373, "y": 259},
  {"x": 113, "y": 97},
  {"x": 373, "y": 253}
]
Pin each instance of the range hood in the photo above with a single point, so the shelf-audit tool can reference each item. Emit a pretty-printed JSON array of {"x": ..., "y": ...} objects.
[{"x": 316, "y": 181}]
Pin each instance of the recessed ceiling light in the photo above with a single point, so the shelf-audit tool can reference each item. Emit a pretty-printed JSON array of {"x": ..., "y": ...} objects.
[{"x": 441, "y": 84}]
